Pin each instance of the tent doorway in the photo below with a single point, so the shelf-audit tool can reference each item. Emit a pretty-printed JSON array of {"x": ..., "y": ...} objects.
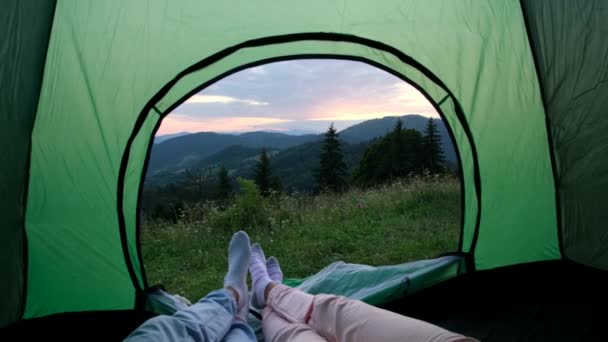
[{"x": 390, "y": 185}]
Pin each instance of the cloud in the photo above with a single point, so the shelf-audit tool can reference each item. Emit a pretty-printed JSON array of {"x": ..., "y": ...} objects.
[
  {"x": 300, "y": 93},
  {"x": 259, "y": 70},
  {"x": 405, "y": 94},
  {"x": 223, "y": 99},
  {"x": 355, "y": 116}
]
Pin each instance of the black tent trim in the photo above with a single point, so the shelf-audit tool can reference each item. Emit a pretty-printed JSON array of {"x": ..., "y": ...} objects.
[
  {"x": 535, "y": 57},
  {"x": 269, "y": 41},
  {"x": 139, "y": 295},
  {"x": 292, "y": 57}
]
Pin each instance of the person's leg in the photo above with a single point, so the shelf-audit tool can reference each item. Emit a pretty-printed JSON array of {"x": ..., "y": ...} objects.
[
  {"x": 259, "y": 276},
  {"x": 274, "y": 326},
  {"x": 338, "y": 318},
  {"x": 352, "y": 320},
  {"x": 239, "y": 253},
  {"x": 239, "y": 331},
  {"x": 341, "y": 319},
  {"x": 213, "y": 316},
  {"x": 277, "y": 329},
  {"x": 274, "y": 270},
  {"x": 207, "y": 320}
]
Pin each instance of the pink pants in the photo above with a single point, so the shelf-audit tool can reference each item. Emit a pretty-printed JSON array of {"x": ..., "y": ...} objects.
[{"x": 293, "y": 315}]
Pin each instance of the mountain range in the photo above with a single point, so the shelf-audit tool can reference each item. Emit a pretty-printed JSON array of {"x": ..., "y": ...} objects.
[
  {"x": 293, "y": 157},
  {"x": 160, "y": 138},
  {"x": 188, "y": 150}
]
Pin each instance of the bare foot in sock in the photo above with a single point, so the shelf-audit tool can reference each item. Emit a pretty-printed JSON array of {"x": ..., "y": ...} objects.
[
  {"x": 239, "y": 254},
  {"x": 259, "y": 276},
  {"x": 274, "y": 270}
]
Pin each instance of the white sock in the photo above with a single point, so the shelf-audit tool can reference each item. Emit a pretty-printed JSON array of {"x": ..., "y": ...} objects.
[
  {"x": 274, "y": 270},
  {"x": 239, "y": 254},
  {"x": 259, "y": 276}
]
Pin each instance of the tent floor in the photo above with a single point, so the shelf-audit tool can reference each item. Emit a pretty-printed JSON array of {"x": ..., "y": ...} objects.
[
  {"x": 77, "y": 326},
  {"x": 544, "y": 301}
]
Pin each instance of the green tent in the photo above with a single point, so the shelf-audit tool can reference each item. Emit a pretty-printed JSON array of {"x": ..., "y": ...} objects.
[{"x": 522, "y": 85}]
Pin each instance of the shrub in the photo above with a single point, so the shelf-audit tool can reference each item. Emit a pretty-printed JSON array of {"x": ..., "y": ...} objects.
[
  {"x": 198, "y": 213},
  {"x": 249, "y": 210}
]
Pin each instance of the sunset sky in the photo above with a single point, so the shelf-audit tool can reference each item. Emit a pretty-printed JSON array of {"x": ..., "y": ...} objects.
[{"x": 302, "y": 96}]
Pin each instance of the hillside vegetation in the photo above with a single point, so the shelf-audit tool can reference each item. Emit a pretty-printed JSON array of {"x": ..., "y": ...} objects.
[
  {"x": 408, "y": 220},
  {"x": 292, "y": 157}
]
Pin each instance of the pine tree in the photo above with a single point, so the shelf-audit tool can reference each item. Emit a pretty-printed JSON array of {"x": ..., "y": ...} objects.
[
  {"x": 394, "y": 156},
  {"x": 332, "y": 169},
  {"x": 263, "y": 174},
  {"x": 224, "y": 186},
  {"x": 433, "y": 159},
  {"x": 398, "y": 154},
  {"x": 276, "y": 185}
]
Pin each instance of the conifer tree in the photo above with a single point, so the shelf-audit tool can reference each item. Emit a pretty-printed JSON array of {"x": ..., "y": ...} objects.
[
  {"x": 433, "y": 159},
  {"x": 332, "y": 168},
  {"x": 398, "y": 154},
  {"x": 395, "y": 156},
  {"x": 263, "y": 174},
  {"x": 224, "y": 186}
]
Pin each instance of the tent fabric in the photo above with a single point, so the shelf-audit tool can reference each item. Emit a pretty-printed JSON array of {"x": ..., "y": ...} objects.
[
  {"x": 107, "y": 61},
  {"x": 569, "y": 40},
  {"x": 25, "y": 28},
  {"x": 521, "y": 85}
]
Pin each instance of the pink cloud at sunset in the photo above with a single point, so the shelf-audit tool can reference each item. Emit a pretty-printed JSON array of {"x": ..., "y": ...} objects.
[{"x": 297, "y": 95}]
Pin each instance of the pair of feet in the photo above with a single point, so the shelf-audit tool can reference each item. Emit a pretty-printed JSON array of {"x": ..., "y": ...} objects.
[{"x": 242, "y": 256}]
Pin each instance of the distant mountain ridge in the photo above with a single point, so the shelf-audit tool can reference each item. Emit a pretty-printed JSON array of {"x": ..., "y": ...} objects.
[
  {"x": 160, "y": 138},
  {"x": 181, "y": 151},
  {"x": 376, "y": 128},
  {"x": 293, "y": 158}
]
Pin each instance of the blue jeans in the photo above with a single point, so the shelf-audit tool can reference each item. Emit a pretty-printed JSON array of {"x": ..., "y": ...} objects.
[{"x": 211, "y": 319}]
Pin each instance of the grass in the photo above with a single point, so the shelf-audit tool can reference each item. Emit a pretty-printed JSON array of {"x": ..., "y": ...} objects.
[{"x": 402, "y": 222}]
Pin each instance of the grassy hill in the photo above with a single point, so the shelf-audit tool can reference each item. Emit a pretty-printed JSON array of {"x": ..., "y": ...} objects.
[{"x": 388, "y": 225}]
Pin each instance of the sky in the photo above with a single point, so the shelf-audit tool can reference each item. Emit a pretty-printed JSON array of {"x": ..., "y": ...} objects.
[{"x": 300, "y": 96}]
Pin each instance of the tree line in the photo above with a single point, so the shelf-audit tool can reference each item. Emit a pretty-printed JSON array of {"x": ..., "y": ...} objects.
[{"x": 399, "y": 154}]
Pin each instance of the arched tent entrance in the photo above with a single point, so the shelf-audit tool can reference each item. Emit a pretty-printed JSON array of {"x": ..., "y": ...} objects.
[
  {"x": 200, "y": 75},
  {"x": 88, "y": 81}
]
